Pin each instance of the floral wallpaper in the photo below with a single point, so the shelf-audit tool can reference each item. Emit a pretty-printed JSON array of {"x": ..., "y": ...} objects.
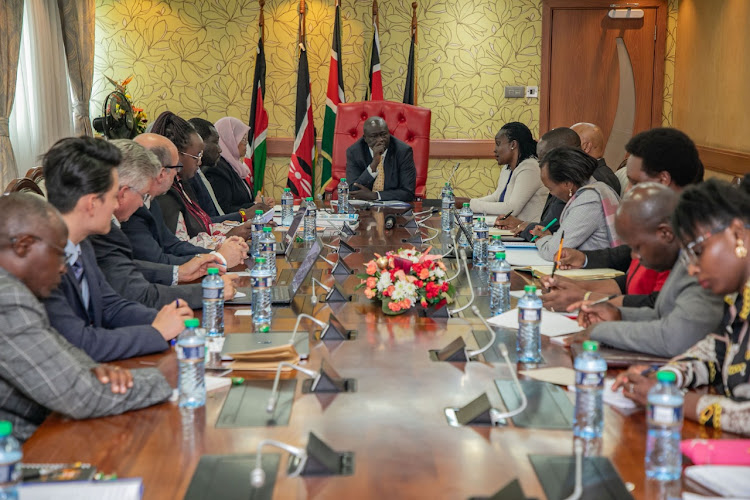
[{"x": 197, "y": 59}]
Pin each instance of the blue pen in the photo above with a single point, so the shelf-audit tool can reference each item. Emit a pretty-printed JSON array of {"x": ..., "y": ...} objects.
[{"x": 177, "y": 305}]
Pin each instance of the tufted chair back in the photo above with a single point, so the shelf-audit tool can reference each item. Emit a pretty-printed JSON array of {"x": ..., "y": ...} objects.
[{"x": 408, "y": 123}]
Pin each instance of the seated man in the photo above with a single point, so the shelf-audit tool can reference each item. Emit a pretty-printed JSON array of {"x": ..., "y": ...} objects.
[
  {"x": 82, "y": 184},
  {"x": 379, "y": 166},
  {"x": 684, "y": 312},
  {"x": 40, "y": 371},
  {"x": 149, "y": 236},
  {"x": 149, "y": 283},
  {"x": 592, "y": 143},
  {"x": 553, "y": 207}
]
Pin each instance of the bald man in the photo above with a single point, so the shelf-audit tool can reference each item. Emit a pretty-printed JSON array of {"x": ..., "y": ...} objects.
[
  {"x": 684, "y": 312},
  {"x": 377, "y": 153},
  {"x": 592, "y": 143}
]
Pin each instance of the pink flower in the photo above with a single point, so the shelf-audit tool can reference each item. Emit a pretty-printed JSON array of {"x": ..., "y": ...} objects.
[
  {"x": 394, "y": 306},
  {"x": 399, "y": 275},
  {"x": 424, "y": 273},
  {"x": 369, "y": 293},
  {"x": 390, "y": 290},
  {"x": 372, "y": 268},
  {"x": 371, "y": 282}
]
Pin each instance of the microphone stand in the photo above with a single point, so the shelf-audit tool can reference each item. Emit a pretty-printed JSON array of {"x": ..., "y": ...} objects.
[
  {"x": 578, "y": 490},
  {"x": 271, "y": 406},
  {"x": 258, "y": 475},
  {"x": 314, "y": 298},
  {"x": 462, "y": 253},
  {"x": 450, "y": 179},
  {"x": 493, "y": 336}
]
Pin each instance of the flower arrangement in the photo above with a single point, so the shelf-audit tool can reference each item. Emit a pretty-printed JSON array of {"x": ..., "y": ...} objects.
[
  {"x": 140, "y": 116},
  {"x": 405, "y": 278}
]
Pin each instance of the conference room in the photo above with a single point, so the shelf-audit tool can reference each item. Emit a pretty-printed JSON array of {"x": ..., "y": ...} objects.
[{"x": 353, "y": 249}]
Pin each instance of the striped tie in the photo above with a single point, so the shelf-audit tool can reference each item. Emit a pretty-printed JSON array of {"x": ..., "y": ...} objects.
[
  {"x": 379, "y": 183},
  {"x": 77, "y": 268}
]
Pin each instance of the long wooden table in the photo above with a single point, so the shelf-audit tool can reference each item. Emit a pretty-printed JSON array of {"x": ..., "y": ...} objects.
[{"x": 394, "y": 422}]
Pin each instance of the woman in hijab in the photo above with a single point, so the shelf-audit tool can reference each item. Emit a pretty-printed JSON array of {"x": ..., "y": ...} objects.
[{"x": 231, "y": 179}]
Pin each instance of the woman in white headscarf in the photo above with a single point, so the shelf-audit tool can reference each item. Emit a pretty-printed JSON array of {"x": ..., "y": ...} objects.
[{"x": 231, "y": 178}]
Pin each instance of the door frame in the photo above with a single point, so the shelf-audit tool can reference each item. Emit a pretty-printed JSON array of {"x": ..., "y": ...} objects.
[{"x": 660, "y": 50}]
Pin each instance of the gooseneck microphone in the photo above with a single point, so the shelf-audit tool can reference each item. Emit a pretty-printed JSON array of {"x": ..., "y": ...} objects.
[
  {"x": 273, "y": 399},
  {"x": 450, "y": 179},
  {"x": 314, "y": 297},
  {"x": 300, "y": 317},
  {"x": 490, "y": 343},
  {"x": 462, "y": 254},
  {"x": 258, "y": 475},
  {"x": 578, "y": 490},
  {"x": 504, "y": 353}
]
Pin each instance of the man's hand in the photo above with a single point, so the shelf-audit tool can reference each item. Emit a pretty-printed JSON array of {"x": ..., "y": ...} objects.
[
  {"x": 120, "y": 379},
  {"x": 571, "y": 259},
  {"x": 510, "y": 223},
  {"x": 363, "y": 193},
  {"x": 234, "y": 250},
  {"x": 634, "y": 384},
  {"x": 244, "y": 230},
  {"x": 561, "y": 293},
  {"x": 171, "y": 319},
  {"x": 539, "y": 232},
  {"x": 229, "y": 289},
  {"x": 591, "y": 315},
  {"x": 197, "y": 267}
]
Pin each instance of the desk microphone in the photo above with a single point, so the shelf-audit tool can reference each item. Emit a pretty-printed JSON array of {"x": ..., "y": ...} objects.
[
  {"x": 390, "y": 221},
  {"x": 329, "y": 262},
  {"x": 431, "y": 210},
  {"x": 258, "y": 475},
  {"x": 314, "y": 298},
  {"x": 271, "y": 406},
  {"x": 504, "y": 352},
  {"x": 462, "y": 253},
  {"x": 472, "y": 354},
  {"x": 458, "y": 261},
  {"x": 450, "y": 179},
  {"x": 578, "y": 490},
  {"x": 299, "y": 319}
]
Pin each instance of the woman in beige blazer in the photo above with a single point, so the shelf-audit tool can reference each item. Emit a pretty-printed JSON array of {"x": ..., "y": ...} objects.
[{"x": 520, "y": 187}]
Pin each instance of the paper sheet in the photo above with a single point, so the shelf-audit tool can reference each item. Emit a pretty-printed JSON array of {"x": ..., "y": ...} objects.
[
  {"x": 213, "y": 383},
  {"x": 522, "y": 257},
  {"x": 243, "y": 312},
  {"x": 119, "y": 489},
  {"x": 555, "y": 375},
  {"x": 610, "y": 397},
  {"x": 553, "y": 324},
  {"x": 239, "y": 273},
  {"x": 726, "y": 480},
  {"x": 239, "y": 295},
  {"x": 501, "y": 232}
]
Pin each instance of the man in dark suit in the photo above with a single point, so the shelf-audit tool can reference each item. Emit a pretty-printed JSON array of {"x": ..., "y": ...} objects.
[
  {"x": 150, "y": 283},
  {"x": 82, "y": 183},
  {"x": 40, "y": 371},
  {"x": 592, "y": 143},
  {"x": 149, "y": 236},
  {"x": 379, "y": 166}
]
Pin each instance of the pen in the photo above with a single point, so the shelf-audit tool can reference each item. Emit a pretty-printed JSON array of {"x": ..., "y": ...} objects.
[
  {"x": 603, "y": 299},
  {"x": 559, "y": 252},
  {"x": 648, "y": 371},
  {"x": 506, "y": 215},
  {"x": 546, "y": 227}
]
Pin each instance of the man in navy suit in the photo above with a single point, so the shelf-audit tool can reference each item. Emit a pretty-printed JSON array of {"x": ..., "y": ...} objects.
[
  {"x": 82, "y": 183},
  {"x": 377, "y": 154}
]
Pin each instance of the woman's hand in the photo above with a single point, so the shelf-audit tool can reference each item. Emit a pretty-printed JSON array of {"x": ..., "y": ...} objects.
[
  {"x": 634, "y": 384},
  {"x": 509, "y": 223},
  {"x": 539, "y": 232},
  {"x": 591, "y": 315}
]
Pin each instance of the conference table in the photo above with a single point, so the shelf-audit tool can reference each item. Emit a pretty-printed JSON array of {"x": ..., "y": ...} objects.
[{"x": 394, "y": 423}]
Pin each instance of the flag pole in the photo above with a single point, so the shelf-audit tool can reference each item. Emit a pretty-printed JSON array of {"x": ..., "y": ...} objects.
[
  {"x": 414, "y": 34},
  {"x": 262, "y": 22},
  {"x": 302, "y": 23}
]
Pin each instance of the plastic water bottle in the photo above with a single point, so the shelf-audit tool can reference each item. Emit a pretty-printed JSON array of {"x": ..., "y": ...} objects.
[
  {"x": 664, "y": 415},
  {"x": 261, "y": 281},
  {"x": 528, "y": 345},
  {"x": 268, "y": 250},
  {"x": 446, "y": 214},
  {"x": 499, "y": 284},
  {"x": 494, "y": 247},
  {"x": 191, "y": 358},
  {"x": 213, "y": 302},
  {"x": 311, "y": 220},
  {"x": 481, "y": 242},
  {"x": 257, "y": 231},
  {"x": 588, "y": 420},
  {"x": 10, "y": 455},
  {"x": 467, "y": 217},
  {"x": 287, "y": 207},
  {"x": 343, "y": 192}
]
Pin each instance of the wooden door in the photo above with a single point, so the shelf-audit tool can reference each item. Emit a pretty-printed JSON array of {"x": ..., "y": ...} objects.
[{"x": 602, "y": 70}]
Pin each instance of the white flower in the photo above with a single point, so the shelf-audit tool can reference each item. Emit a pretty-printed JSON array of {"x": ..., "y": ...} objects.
[
  {"x": 404, "y": 290},
  {"x": 384, "y": 282},
  {"x": 439, "y": 273}
]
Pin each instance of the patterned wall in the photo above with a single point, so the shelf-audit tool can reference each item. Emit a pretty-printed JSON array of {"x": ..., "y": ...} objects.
[{"x": 197, "y": 59}]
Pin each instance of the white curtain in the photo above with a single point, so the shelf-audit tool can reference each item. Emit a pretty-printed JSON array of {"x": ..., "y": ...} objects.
[{"x": 43, "y": 108}]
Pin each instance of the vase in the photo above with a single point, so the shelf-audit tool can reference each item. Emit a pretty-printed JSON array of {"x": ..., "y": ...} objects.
[{"x": 387, "y": 310}]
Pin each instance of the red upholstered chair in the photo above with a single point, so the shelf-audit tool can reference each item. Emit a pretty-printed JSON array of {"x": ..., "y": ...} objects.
[{"x": 410, "y": 124}]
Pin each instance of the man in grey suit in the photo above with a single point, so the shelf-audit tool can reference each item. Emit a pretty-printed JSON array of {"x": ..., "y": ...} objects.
[
  {"x": 82, "y": 183},
  {"x": 40, "y": 371},
  {"x": 152, "y": 284},
  {"x": 684, "y": 313},
  {"x": 378, "y": 154}
]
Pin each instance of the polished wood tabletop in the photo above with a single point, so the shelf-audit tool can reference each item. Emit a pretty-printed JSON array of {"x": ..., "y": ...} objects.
[{"x": 394, "y": 422}]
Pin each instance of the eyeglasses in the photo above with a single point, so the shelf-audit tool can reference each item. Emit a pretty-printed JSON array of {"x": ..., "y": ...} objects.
[
  {"x": 144, "y": 196},
  {"x": 196, "y": 158},
  {"x": 62, "y": 253},
  {"x": 692, "y": 251},
  {"x": 178, "y": 167}
]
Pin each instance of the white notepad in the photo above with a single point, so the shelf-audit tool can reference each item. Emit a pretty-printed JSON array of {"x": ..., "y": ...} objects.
[
  {"x": 726, "y": 480},
  {"x": 119, "y": 489},
  {"x": 553, "y": 324},
  {"x": 524, "y": 257}
]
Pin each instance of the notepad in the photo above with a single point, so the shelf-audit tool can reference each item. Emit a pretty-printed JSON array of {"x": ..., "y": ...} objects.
[
  {"x": 265, "y": 360},
  {"x": 553, "y": 324},
  {"x": 726, "y": 480},
  {"x": 501, "y": 232},
  {"x": 119, "y": 489},
  {"x": 523, "y": 257},
  {"x": 577, "y": 274}
]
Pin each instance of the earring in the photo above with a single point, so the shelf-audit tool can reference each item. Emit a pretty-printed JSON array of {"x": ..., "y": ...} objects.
[
  {"x": 570, "y": 192},
  {"x": 740, "y": 251}
]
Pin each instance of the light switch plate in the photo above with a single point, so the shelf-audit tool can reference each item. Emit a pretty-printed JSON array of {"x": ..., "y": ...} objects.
[
  {"x": 514, "y": 92},
  {"x": 532, "y": 92}
]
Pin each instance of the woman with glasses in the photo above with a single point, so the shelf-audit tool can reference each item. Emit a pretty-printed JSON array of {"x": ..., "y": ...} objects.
[
  {"x": 713, "y": 222},
  {"x": 231, "y": 179}
]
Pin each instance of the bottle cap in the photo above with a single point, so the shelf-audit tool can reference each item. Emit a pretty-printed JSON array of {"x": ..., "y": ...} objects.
[
  {"x": 466, "y": 205},
  {"x": 529, "y": 288},
  {"x": 495, "y": 236},
  {"x": 264, "y": 329},
  {"x": 5, "y": 428},
  {"x": 500, "y": 256},
  {"x": 192, "y": 323},
  {"x": 267, "y": 229},
  {"x": 343, "y": 179},
  {"x": 259, "y": 212},
  {"x": 309, "y": 198},
  {"x": 447, "y": 184},
  {"x": 666, "y": 376},
  {"x": 591, "y": 346},
  {"x": 286, "y": 190},
  {"x": 260, "y": 260},
  {"x": 213, "y": 270}
]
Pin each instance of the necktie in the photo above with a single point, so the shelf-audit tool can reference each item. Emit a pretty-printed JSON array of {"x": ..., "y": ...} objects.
[
  {"x": 77, "y": 268},
  {"x": 379, "y": 183}
]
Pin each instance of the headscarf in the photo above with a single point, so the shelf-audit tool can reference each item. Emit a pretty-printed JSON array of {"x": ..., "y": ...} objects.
[{"x": 231, "y": 131}]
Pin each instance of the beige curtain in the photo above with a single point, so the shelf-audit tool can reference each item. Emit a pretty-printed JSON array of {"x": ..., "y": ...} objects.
[
  {"x": 77, "y": 17},
  {"x": 11, "y": 22}
]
